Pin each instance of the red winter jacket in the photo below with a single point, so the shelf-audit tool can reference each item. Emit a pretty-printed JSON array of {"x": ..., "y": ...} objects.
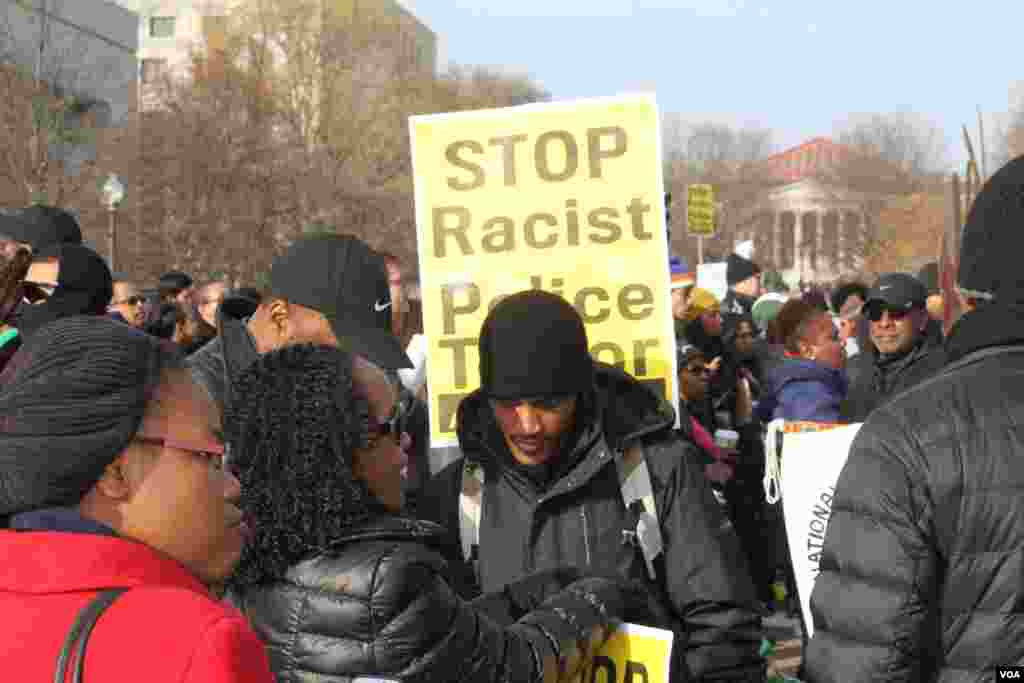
[{"x": 166, "y": 628}]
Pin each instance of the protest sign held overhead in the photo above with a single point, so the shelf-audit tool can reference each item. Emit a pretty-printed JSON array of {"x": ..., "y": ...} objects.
[{"x": 564, "y": 197}]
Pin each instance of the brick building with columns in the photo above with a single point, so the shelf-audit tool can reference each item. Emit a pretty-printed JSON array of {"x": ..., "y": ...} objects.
[{"x": 809, "y": 228}]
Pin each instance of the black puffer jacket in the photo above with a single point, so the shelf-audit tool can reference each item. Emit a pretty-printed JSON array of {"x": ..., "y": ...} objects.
[
  {"x": 876, "y": 380},
  {"x": 579, "y": 520},
  {"x": 921, "y": 576},
  {"x": 381, "y": 607}
]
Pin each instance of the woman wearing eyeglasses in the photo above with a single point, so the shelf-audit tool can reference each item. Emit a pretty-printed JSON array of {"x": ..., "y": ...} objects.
[
  {"x": 337, "y": 582},
  {"x": 809, "y": 382}
]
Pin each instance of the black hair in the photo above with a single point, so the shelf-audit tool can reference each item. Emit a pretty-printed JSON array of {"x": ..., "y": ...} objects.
[
  {"x": 843, "y": 292},
  {"x": 295, "y": 421}
]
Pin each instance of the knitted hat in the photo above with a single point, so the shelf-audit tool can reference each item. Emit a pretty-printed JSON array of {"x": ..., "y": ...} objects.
[
  {"x": 990, "y": 264},
  {"x": 701, "y": 301},
  {"x": 738, "y": 269},
  {"x": 766, "y": 308},
  {"x": 679, "y": 273},
  {"x": 71, "y": 400},
  {"x": 533, "y": 344}
]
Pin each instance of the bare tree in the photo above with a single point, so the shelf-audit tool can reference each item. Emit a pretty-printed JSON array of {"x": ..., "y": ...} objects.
[{"x": 911, "y": 144}]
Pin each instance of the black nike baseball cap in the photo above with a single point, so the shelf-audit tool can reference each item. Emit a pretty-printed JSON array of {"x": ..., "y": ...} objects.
[{"x": 345, "y": 280}]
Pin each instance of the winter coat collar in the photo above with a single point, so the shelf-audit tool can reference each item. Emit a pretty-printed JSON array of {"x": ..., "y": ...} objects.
[
  {"x": 68, "y": 520},
  {"x": 59, "y": 562},
  {"x": 624, "y": 411},
  {"x": 987, "y": 326}
]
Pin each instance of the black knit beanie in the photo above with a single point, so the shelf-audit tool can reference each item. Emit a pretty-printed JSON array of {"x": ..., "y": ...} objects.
[
  {"x": 533, "y": 344},
  {"x": 70, "y": 401},
  {"x": 738, "y": 269},
  {"x": 990, "y": 246}
]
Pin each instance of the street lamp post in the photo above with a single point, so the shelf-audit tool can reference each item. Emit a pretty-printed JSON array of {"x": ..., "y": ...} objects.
[{"x": 113, "y": 195}]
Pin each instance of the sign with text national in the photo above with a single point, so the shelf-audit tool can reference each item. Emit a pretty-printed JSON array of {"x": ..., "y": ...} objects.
[
  {"x": 811, "y": 464},
  {"x": 700, "y": 210},
  {"x": 565, "y": 197}
]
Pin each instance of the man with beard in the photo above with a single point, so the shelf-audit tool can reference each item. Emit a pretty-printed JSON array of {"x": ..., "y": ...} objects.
[
  {"x": 901, "y": 355},
  {"x": 550, "y": 432}
]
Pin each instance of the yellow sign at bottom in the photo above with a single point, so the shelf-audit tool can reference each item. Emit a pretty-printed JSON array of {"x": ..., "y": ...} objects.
[{"x": 633, "y": 654}]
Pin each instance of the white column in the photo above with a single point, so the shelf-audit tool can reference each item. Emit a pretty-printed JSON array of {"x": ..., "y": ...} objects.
[
  {"x": 824, "y": 260},
  {"x": 777, "y": 239},
  {"x": 798, "y": 252}
]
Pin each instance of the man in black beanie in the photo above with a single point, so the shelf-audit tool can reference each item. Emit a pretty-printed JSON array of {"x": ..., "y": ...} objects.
[
  {"x": 548, "y": 430},
  {"x": 920, "y": 574},
  {"x": 744, "y": 279}
]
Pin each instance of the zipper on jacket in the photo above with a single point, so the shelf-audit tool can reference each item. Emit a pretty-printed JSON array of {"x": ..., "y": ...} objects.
[{"x": 586, "y": 533}]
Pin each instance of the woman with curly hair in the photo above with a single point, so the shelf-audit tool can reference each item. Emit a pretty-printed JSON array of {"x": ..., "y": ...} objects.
[{"x": 338, "y": 583}]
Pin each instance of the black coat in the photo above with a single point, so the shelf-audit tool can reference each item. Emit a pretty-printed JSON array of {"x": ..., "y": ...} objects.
[
  {"x": 921, "y": 575},
  {"x": 873, "y": 381},
  {"x": 579, "y": 520},
  {"x": 380, "y": 606}
]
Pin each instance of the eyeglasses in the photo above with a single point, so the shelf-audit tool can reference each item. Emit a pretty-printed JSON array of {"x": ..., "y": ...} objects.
[
  {"x": 36, "y": 292},
  {"x": 212, "y": 450},
  {"x": 130, "y": 301},
  {"x": 875, "y": 313}
]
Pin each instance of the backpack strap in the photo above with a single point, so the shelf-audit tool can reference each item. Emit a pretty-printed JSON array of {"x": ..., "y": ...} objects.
[
  {"x": 638, "y": 496},
  {"x": 471, "y": 500},
  {"x": 78, "y": 636}
]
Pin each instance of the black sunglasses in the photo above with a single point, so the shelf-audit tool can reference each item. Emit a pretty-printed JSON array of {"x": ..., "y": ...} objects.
[
  {"x": 874, "y": 313},
  {"x": 34, "y": 292},
  {"x": 131, "y": 301}
]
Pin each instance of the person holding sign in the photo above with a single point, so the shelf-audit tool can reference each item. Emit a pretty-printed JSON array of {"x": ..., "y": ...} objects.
[
  {"x": 339, "y": 584},
  {"x": 921, "y": 569},
  {"x": 554, "y": 444}
]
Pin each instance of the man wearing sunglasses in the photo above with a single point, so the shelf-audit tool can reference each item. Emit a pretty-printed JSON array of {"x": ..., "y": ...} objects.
[
  {"x": 901, "y": 355},
  {"x": 127, "y": 304}
]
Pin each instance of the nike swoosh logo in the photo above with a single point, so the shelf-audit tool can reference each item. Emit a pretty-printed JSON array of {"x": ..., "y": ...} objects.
[{"x": 378, "y": 307}]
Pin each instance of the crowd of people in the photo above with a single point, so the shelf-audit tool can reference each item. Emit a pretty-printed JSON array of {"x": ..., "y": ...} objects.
[{"x": 249, "y": 472}]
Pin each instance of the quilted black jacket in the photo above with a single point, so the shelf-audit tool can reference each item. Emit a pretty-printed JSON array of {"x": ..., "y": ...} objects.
[
  {"x": 922, "y": 576},
  {"x": 381, "y": 607}
]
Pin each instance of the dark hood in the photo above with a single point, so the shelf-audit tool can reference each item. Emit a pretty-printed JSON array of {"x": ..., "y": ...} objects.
[
  {"x": 619, "y": 410},
  {"x": 989, "y": 325}
]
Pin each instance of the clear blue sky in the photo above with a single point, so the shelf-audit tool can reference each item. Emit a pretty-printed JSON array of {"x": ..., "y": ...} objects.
[{"x": 797, "y": 67}]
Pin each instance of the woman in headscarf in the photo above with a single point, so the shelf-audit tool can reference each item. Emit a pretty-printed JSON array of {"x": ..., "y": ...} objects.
[{"x": 339, "y": 584}]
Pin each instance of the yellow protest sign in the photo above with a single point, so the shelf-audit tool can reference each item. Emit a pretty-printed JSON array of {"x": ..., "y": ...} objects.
[
  {"x": 633, "y": 654},
  {"x": 700, "y": 210},
  {"x": 565, "y": 197}
]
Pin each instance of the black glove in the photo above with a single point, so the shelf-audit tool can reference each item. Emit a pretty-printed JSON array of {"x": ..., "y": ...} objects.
[{"x": 530, "y": 592}]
